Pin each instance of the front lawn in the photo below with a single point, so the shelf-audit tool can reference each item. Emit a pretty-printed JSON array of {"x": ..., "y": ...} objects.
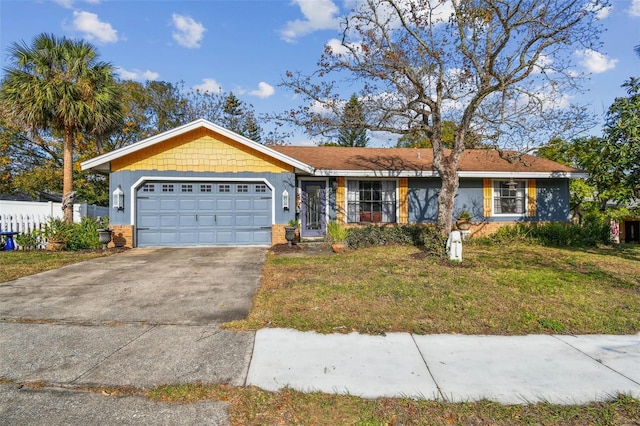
[
  {"x": 16, "y": 264},
  {"x": 510, "y": 289}
]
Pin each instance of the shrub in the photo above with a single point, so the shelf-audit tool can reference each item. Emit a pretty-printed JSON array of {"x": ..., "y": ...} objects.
[
  {"x": 30, "y": 241},
  {"x": 84, "y": 235},
  {"x": 593, "y": 232},
  {"x": 336, "y": 232},
  {"x": 421, "y": 236}
]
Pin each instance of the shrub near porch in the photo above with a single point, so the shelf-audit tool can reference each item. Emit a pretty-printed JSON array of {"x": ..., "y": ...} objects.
[{"x": 498, "y": 289}]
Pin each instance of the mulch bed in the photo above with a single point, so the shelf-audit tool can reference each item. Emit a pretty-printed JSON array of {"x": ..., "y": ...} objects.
[{"x": 285, "y": 248}]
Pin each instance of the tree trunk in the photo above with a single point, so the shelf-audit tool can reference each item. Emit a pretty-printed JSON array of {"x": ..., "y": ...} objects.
[
  {"x": 450, "y": 182},
  {"x": 67, "y": 177}
]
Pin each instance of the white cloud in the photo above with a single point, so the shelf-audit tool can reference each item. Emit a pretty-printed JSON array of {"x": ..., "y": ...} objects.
[
  {"x": 93, "y": 28},
  {"x": 189, "y": 33},
  {"x": 634, "y": 9},
  {"x": 318, "y": 15},
  {"x": 338, "y": 49},
  {"x": 137, "y": 75},
  {"x": 602, "y": 11},
  {"x": 68, "y": 4},
  {"x": 264, "y": 90},
  {"x": 209, "y": 85},
  {"x": 595, "y": 62},
  {"x": 543, "y": 64}
]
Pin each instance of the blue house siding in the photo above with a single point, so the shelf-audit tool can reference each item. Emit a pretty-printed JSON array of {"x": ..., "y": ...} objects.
[
  {"x": 423, "y": 200},
  {"x": 280, "y": 182},
  {"x": 552, "y": 201}
]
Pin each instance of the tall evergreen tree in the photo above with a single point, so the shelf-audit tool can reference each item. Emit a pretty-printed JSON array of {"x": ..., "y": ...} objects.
[{"x": 352, "y": 131}]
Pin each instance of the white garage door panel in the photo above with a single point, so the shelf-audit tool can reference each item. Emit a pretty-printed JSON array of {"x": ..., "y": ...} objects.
[
  {"x": 224, "y": 220},
  {"x": 225, "y": 237},
  {"x": 168, "y": 221},
  {"x": 243, "y": 204},
  {"x": 187, "y": 204},
  {"x": 261, "y": 221},
  {"x": 244, "y": 220},
  {"x": 206, "y": 204},
  {"x": 262, "y": 204},
  {"x": 148, "y": 221},
  {"x": 210, "y": 213},
  {"x": 168, "y": 204}
]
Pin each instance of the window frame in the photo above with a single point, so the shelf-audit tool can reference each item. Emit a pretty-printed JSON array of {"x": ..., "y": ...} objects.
[
  {"x": 522, "y": 185},
  {"x": 382, "y": 202}
]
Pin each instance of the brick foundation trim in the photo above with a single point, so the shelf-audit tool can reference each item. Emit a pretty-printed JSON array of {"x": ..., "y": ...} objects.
[
  {"x": 122, "y": 236},
  {"x": 277, "y": 235}
]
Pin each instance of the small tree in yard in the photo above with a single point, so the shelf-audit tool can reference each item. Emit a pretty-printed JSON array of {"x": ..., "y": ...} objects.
[{"x": 494, "y": 68}]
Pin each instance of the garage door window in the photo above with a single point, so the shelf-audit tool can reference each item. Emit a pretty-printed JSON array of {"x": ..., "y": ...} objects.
[
  {"x": 186, "y": 188},
  {"x": 261, "y": 188},
  {"x": 224, "y": 188},
  {"x": 205, "y": 188},
  {"x": 167, "y": 187},
  {"x": 147, "y": 187},
  {"x": 243, "y": 188}
]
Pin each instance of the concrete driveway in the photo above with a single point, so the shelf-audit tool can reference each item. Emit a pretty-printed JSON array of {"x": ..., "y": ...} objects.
[
  {"x": 141, "y": 318},
  {"x": 179, "y": 286}
]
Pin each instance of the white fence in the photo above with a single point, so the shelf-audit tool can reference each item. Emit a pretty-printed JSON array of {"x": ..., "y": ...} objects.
[{"x": 24, "y": 216}]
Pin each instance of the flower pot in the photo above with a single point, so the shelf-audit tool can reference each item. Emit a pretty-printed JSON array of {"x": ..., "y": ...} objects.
[
  {"x": 290, "y": 234},
  {"x": 104, "y": 236},
  {"x": 463, "y": 225},
  {"x": 338, "y": 247}
]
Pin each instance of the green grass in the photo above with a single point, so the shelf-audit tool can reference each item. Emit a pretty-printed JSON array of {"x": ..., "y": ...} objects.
[
  {"x": 252, "y": 406},
  {"x": 514, "y": 289},
  {"x": 249, "y": 406},
  {"x": 16, "y": 264},
  {"x": 505, "y": 290}
]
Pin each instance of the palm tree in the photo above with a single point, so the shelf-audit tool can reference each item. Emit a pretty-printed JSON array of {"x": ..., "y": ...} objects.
[{"x": 58, "y": 86}]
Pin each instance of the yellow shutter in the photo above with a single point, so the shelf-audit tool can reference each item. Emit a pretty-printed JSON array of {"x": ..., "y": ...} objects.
[
  {"x": 531, "y": 198},
  {"x": 340, "y": 200},
  {"x": 486, "y": 196},
  {"x": 403, "y": 193}
]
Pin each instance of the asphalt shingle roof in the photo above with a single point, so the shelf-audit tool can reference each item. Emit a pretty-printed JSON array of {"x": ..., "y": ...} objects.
[{"x": 414, "y": 159}]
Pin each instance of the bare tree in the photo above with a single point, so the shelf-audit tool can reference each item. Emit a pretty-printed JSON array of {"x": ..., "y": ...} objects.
[{"x": 500, "y": 69}]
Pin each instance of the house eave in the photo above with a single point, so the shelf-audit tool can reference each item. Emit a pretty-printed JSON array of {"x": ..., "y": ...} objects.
[
  {"x": 462, "y": 174},
  {"x": 103, "y": 162}
]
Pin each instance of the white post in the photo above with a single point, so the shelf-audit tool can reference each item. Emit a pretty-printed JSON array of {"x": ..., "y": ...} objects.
[{"x": 454, "y": 246}]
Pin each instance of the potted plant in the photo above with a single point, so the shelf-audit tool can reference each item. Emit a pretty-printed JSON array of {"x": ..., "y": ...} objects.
[
  {"x": 337, "y": 236},
  {"x": 57, "y": 233},
  {"x": 464, "y": 221},
  {"x": 290, "y": 231},
  {"x": 104, "y": 236},
  {"x": 104, "y": 233}
]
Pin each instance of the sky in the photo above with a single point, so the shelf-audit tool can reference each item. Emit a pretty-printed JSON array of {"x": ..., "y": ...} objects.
[{"x": 247, "y": 46}]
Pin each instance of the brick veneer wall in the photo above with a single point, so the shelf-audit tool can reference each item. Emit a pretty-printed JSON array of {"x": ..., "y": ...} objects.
[
  {"x": 277, "y": 235},
  {"x": 122, "y": 234}
]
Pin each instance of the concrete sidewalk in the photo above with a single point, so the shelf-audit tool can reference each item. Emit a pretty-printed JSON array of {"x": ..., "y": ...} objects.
[{"x": 454, "y": 368}]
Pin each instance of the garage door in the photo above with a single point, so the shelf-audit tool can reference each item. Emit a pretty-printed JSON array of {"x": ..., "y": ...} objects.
[{"x": 203, "y": 213}]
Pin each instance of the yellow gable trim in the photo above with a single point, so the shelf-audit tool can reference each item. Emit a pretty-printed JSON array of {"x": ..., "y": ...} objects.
[{"x": 200, "y": 151}]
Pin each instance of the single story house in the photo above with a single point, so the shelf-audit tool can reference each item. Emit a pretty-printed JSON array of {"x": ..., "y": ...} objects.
[{"x": 201, "y": 184}]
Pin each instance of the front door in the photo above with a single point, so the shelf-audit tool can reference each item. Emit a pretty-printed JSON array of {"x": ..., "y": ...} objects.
[
  {"x": 632, "y": 231},
  {"x": 313, "y": 209}
]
